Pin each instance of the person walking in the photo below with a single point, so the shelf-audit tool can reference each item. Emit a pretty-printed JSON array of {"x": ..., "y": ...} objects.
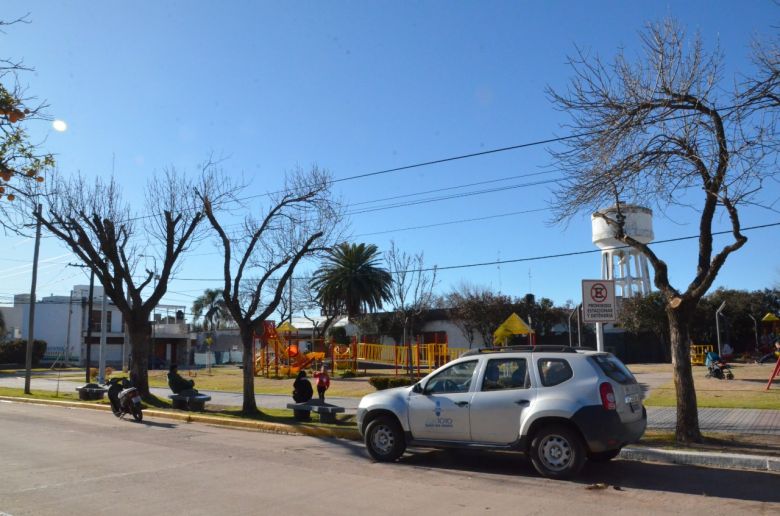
[{"x": 323, "y": 382}]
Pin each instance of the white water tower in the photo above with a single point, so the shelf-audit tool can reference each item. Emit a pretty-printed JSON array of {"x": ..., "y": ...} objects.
[{"x": 627, "y": 266}]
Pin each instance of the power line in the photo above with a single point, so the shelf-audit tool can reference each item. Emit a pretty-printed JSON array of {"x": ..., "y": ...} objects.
[
  {"x": 454, "y": 196},
  {"x": 444, "y": 189},
  {"x": 451, "y": 222},
  {"x": 535, "y": 258}
]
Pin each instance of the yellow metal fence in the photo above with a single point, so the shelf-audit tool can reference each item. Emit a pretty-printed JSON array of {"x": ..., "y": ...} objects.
[{"x": 699, "y": 352}]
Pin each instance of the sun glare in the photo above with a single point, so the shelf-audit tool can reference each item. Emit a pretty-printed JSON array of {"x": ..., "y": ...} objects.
[{"x": 59, "y": 126}]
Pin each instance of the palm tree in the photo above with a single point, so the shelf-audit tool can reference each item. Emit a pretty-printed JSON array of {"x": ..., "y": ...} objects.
[
  {"x": 351, "y": 280},
  {"x": 212, "y": 303}
]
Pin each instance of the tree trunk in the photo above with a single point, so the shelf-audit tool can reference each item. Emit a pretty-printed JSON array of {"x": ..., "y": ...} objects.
[
  {"x": 250, "y": 405},
  {"x": 139, "y": 355},
  {"x": 687, "y": 429}
]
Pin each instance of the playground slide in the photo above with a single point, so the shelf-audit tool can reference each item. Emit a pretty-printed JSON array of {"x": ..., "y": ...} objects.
[{"x": 301, "y": 361}]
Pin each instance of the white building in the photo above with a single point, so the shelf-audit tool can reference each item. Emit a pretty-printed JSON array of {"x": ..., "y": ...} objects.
[{"x": 62, "y": 322}]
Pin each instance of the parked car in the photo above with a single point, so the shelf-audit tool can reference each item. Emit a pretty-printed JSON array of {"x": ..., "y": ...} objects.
[{"x": 558, "y": 405}]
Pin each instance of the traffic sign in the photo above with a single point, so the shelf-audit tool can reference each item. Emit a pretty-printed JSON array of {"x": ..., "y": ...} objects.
[{"x": 598, "y": 301}]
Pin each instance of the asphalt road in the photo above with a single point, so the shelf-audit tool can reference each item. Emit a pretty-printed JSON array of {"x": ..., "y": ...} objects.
[{"x": 75, "y": 461}]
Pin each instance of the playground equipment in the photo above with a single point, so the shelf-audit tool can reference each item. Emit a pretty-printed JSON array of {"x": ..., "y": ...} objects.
[
  {"x": 699, "y": 353},
  {"x": 281, "y": 356},
  {"x": 514, "y": 325},
  {"x": 422, "y": 357},
  {"x": 278, "y": 352}
]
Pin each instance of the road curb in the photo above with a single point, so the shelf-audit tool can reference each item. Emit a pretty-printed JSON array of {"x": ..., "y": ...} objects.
[{"x": 696, "y": 458}]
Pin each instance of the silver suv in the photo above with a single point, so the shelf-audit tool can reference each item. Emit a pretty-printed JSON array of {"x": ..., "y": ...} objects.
[{"x": 558, "y": 405}]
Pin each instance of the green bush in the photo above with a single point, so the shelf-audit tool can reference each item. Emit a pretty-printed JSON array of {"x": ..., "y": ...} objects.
[
  {"x": 349, "y": 373},
  {"x": 14, "y": 352},
  {"x": 388, "y": 382}
]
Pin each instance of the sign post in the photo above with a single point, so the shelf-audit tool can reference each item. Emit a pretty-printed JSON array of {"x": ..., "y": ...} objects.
[{"x": 598, "y": 306}]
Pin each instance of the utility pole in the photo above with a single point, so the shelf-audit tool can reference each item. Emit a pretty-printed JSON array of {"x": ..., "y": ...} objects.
[
  {"x": 89, "y": 322},
  {"x": 755, "y": 328},
  {"x": 717, "y": 322},
  {"x": 103, "y": 336},
  {"x": 290, "y": 291},
  {"x": 31, "y": 322},
  {"x": 67, "y": 338}
]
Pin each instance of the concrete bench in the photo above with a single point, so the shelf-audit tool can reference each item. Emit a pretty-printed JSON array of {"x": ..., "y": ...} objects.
[
  {"x": 91, "y": 393},
  {"x": 193, "y": 403},
  {"x": 327, "y": 412}
]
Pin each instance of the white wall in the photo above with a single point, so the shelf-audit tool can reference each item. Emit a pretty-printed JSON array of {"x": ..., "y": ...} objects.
[{"x": 51, "y": 322}]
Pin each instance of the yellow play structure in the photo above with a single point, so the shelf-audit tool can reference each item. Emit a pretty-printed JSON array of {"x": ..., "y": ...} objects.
[
  {"x": 279, "y": 356},
  {"x": 514, "y": 325}
]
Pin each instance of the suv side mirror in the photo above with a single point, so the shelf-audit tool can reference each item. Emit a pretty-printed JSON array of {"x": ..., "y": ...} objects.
[{"x": 417, "y": 388}]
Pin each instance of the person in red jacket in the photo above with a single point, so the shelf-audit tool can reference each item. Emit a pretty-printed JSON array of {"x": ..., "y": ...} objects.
[{"x": 323, "y": 382}]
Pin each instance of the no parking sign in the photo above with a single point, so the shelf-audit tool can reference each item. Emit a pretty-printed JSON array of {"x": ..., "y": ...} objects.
[{"x": 598, "y": 301}]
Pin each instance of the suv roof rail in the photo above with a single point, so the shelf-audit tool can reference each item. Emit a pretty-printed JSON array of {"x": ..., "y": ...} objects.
[{"x": 509, "y": 349}]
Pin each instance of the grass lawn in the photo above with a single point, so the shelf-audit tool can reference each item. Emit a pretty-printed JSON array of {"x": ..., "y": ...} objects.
[
  {"x": 40, "y": 395},
  {"x": 747, "y": 390},
  {"x": 231, "y": 379},
  {"x": 280, "y": 416}
]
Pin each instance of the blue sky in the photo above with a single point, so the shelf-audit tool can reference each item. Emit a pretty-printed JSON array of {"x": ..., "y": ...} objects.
[{"x": 356, "y": 87}]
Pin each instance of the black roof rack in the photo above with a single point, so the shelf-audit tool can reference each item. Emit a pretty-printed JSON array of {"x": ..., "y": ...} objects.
[{"x": 533, "y": 349}]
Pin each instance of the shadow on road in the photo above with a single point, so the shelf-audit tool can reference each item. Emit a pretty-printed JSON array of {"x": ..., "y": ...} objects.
[
  {"x": 716, "y": 483},
  {"x": 354, "y": 448},
  {"x": 158, "y": 424}
]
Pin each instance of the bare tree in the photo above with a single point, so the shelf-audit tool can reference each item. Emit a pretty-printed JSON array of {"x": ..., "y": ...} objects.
[
  {"x": 764, "y": 89},
  {"x": 102, "y": 230},
  {"x": 664, "y": 130},
  {"x": 306, "y": 301},
  {"x": 478, "y": 311},
  {"x": 411, "y": 290},
  {"x": 298, "y": 222},
  {"x": 22, "y": 163}
]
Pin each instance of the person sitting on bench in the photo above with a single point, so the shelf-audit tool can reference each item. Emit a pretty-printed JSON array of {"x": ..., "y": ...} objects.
[
  {"x": 302, "y": 391},
  {"x": 180, "y": 385}
]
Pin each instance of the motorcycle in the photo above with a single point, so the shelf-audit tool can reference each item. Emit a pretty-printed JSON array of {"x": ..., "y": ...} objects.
[{"x": 124, "y": 398}]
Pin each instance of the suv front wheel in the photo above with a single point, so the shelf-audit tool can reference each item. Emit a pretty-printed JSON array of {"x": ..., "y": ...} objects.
[
  {"x": 385, "y": 439},
  {"x": 557, "y": 452}
]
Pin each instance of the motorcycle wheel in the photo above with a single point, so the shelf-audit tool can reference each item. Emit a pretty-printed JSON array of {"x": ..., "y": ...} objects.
[{"x": 138, "y": 415}]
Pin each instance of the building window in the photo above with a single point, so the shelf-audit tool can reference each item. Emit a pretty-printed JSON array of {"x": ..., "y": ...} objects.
[{"x": 96, "y": 320}]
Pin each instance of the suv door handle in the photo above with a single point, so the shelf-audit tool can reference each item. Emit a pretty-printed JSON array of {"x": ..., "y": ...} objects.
[
  {"x": 522, "y": 403},
  {"x": 461, "y": 403}
]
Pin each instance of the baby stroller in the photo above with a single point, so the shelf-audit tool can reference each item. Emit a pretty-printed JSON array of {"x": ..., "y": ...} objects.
[{"x": 717, "y": 368}]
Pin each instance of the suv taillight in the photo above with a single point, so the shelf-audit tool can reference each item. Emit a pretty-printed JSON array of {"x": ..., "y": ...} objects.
[{"x": 607, "y": 396}]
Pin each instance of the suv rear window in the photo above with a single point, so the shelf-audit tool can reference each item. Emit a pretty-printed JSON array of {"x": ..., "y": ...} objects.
[
  {"x": 614, "y": 368},
  {"x": 553, "y": 371}
]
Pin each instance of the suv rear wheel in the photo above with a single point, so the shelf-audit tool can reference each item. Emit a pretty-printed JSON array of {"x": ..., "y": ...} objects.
[
  {"x": 557, "y": 452},
  {"x": 385, "y": 439}
]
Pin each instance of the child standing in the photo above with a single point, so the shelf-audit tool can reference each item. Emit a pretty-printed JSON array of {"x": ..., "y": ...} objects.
[{"x": 323, "y": 382}]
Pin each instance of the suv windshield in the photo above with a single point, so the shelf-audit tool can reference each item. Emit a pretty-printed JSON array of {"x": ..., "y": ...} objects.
[{"x": 614, "y": 368}]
